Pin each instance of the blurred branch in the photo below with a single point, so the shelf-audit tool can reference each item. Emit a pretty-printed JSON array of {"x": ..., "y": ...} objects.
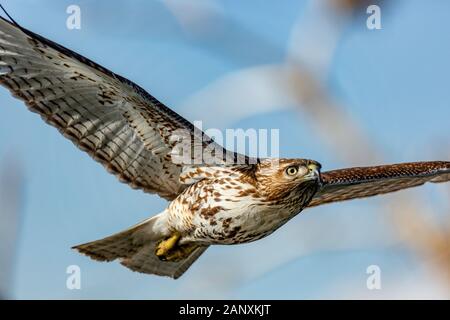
[
  {"x": 268, "y": 87},
  {"x": 425, "y": 235}
]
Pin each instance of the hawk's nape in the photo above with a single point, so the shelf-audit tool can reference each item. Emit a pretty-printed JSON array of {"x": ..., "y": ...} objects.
[{"x": 361, "y": 182}]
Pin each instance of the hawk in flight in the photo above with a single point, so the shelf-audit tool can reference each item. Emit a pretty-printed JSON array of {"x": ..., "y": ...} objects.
[{"x": 134, "y": 136}]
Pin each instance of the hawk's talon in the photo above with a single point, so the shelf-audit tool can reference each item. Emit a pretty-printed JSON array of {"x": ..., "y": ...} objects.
[
  {"x": 163, "y": 247},
  {"x": 169, "y": 250}
]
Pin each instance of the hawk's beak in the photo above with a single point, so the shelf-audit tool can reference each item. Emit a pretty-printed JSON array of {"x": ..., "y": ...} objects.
[{"x": 314, "y": 171}]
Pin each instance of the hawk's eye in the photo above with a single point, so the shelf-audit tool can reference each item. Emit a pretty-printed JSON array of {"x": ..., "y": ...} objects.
[{"x": 291, "y": 171}]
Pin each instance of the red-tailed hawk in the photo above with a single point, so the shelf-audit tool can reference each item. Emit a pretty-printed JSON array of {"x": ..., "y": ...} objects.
[{"x": 133, "y": 135}]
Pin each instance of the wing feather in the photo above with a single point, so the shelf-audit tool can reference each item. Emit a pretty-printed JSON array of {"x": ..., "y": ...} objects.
[
  {"x": 361, "y": 182},
  {"x": 114, "y": 120}
]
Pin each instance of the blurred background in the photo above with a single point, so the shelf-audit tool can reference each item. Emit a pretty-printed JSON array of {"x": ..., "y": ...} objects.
[{"x": 339, "y": 93}]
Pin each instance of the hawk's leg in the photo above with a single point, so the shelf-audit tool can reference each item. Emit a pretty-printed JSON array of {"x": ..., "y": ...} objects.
[{"x": 165, "y": 246}]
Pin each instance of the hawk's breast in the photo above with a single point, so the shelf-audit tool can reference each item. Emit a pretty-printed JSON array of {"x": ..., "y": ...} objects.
[{"x": 224, "y": 210}]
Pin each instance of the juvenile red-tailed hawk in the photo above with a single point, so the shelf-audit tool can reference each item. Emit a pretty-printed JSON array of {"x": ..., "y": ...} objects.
[{"x": 134, "y": 136}]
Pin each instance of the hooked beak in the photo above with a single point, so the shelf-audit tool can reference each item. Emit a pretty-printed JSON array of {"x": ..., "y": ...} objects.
[{"x": 314, "y": 171}]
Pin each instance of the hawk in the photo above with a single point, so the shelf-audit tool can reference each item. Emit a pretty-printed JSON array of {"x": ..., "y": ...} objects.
[{"x": 134, "y": 136}]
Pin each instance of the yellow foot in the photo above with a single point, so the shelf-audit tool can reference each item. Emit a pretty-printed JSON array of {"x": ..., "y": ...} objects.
[{"x": 163, "y": 248}]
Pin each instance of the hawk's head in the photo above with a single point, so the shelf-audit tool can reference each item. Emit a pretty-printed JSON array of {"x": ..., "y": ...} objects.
[{"x": 278, "y": 179}]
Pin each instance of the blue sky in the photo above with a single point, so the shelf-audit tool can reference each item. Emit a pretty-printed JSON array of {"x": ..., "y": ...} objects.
[{"x": 394, "y": 81}]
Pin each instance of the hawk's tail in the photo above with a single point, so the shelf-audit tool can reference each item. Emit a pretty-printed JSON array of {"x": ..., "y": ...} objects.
[{"x": 135, "y": 247}]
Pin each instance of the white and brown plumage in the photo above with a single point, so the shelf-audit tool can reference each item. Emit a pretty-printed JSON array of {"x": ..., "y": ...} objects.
[{"x": 131, "y": 133}]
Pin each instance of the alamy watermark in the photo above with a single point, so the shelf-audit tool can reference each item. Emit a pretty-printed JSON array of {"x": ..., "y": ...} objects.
[
  {"x": 73, "y": 281},
  {"x": 373, "y": 22},
  {"x": 196, "y": 147},
  {"x": 373, "y": 281},
  {"x": 73, "y": 21}
]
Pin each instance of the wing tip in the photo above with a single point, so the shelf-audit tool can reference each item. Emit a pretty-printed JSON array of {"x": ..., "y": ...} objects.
[{"x": 8, "y": 15}]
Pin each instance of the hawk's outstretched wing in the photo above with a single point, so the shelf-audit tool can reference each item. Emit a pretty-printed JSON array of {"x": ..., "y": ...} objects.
[
  {"x": 117, "y": 122},
  {"x": 361, "y": 182}
]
